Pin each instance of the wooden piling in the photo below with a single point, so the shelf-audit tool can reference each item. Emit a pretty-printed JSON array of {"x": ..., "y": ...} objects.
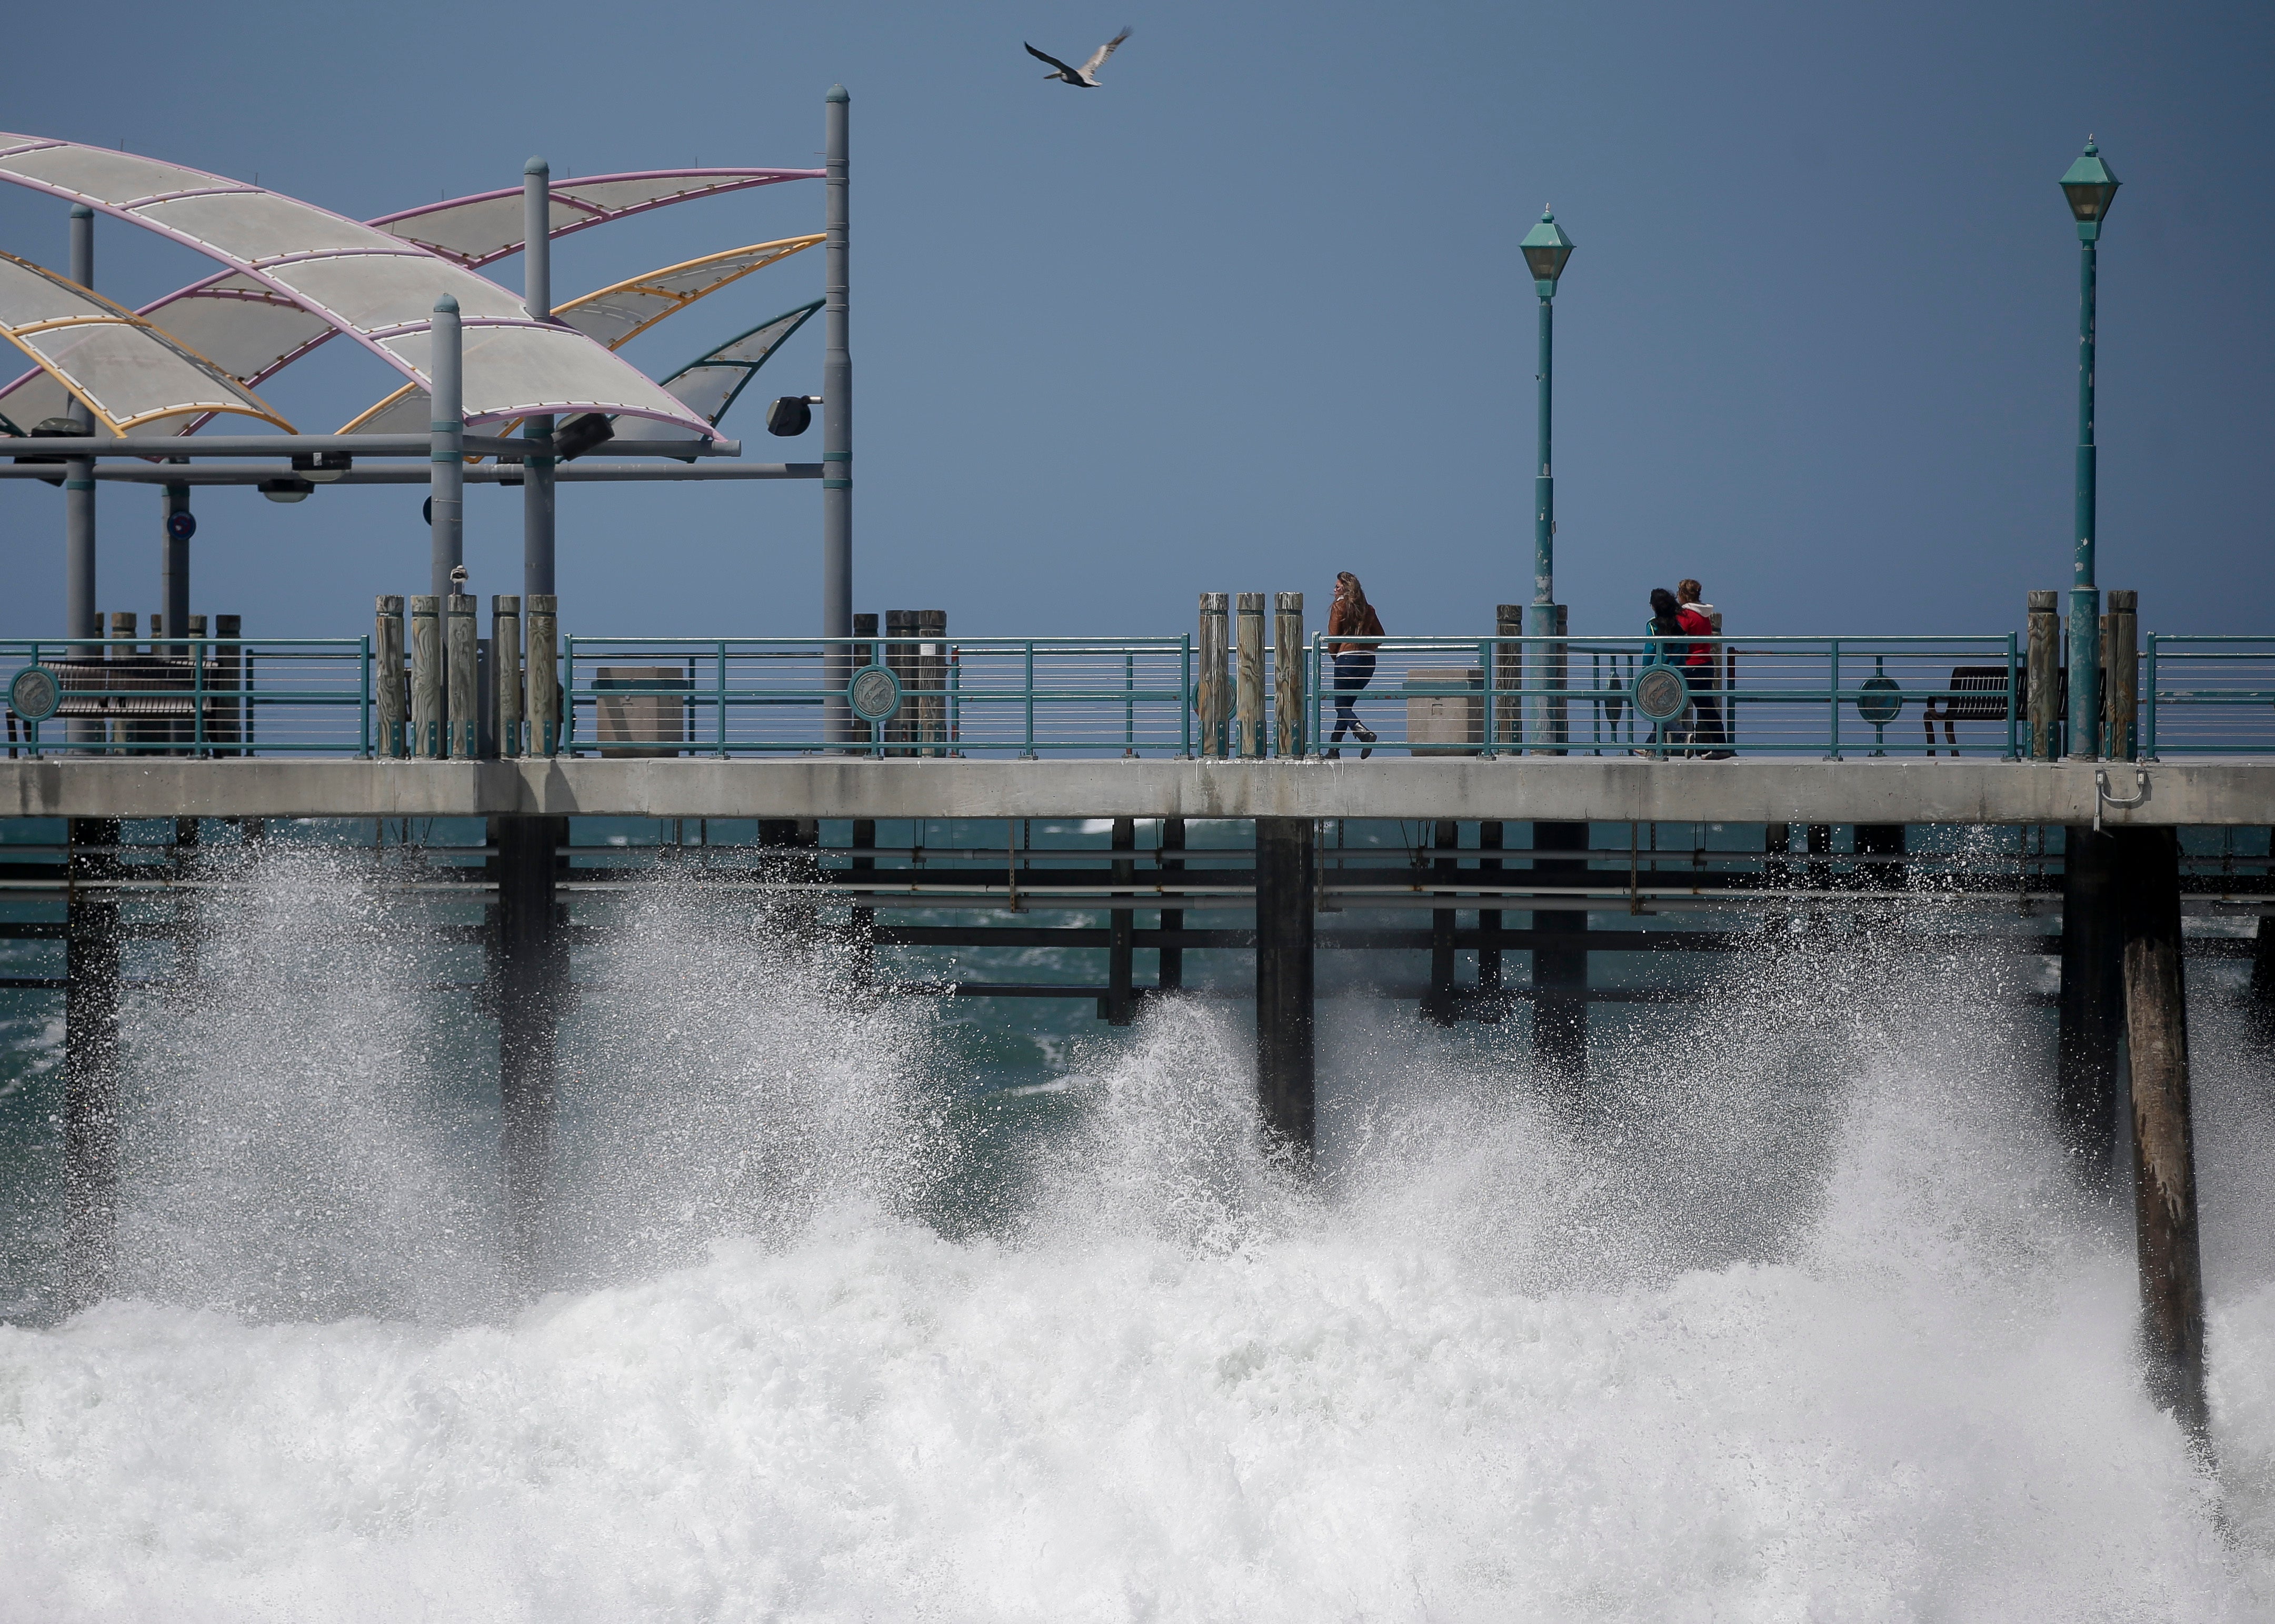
[
  {"x": 1171, "y": 978},
  {"x": 530, "y": 981},
  {"x": 389, "y": 739},
  {"x": 1120, "y": 1003},
  {"x": 462, "y": 678},
  {"x": 1438, "y": 1003},
  {"x": 90, "y": 1059},
  {"x": 541, "y": 659},
  {"x": 1212, "y": 690},
  {"x": 2164, "y": 1145},
  {"x": 1508, "y": 674},
  {"x": 1290, "y": 721},
  {"x": 428, "y": 738},
  {"x": 900, "y": 658},
  {"x": 2092, "y": 1000},
  {"x": 505, "y": 672},
  {"x": 2121, "y": 676},
  {"x": 1249, "y": 714},
  {"x": 1559, "y": 965},
  {"x": 2043, "y": 670},
  {"x": 1286, "y": 860},
  {"x": 932, "y": 678}
]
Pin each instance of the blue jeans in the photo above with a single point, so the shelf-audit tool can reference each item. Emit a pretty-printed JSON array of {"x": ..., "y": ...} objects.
[{"x": 1353, "y": 672}]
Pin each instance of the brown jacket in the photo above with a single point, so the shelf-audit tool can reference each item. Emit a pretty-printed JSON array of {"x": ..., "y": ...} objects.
[{"x": 1346, "y": 619}]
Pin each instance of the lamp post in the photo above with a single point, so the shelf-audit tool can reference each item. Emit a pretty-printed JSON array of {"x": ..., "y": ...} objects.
[
  {"x": 1546, "y": 247},
  {"x": 2089, "y": 185}
]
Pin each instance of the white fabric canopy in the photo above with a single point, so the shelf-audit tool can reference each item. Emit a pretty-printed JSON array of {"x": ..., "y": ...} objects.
[
  {"x": 378, "y": 288},
  {"x": 612, "y": 315},
  {"x": 251, "y": 332},
  {"x": 129, "y": 372}
]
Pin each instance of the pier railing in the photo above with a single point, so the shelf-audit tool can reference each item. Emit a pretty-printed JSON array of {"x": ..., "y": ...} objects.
[
  {"x": 2206, "y": 696},
  {"x": 195, "y": 696},
  {"x": 1022, "y": 697},
  {"x": 1832, "y": 697},
  {"x": 1036, "y": 696}
]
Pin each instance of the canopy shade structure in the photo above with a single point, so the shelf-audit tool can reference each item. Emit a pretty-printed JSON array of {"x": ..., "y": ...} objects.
[
  {"x": 128, "y": 372},
  {"x": 251, "y": 332},
  {"x": 612, "y": 315},
  {"x": 712, "y": 384},
  {"x": 377, "y": 289}
]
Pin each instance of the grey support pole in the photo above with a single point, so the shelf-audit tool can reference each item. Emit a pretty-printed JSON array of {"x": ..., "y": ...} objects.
[
  {"x": 836, "y": 426},
  {"x": 1287, "y": 862},
  {"x": 2091, "y": 1022},
  {"x": 2163, "y": 1140},
  {"x": 446, "y": 465},
  {"x": 174, "y": 561},
  {"x": 537, "y": 482},
  {"x": 79, "y": 472},
  {"x": 532, "y": 969}
]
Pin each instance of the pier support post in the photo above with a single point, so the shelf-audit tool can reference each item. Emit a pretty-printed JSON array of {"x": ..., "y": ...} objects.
[
  {"x": 2164, "y": 1143},
  {"x": 505, "y": 672},
  {"x": 1121, "y": 1002},
  {"x": 427, "y": 738},
  {"x": 2263, "y": 963},
  {"x": 1559, "y": 972},
  {"x": 1172, "y": 975},
  {"x": 2044, "y": 672},
  {"x": 1489, "y": 839},
  {"x": 2092, "y": 1009},
  {"x": 390, "y": 740},
  {"x": 1287, "y": 862},
  {"x": 541, "y": 676},
  {"x": 2121, "y": 675},
  {"x": 532, "y": 985},
  {"x": 1876, "y": 843},
  {"x": 91, "y": 1059},
  {"x": 1438, "y": 1003}
]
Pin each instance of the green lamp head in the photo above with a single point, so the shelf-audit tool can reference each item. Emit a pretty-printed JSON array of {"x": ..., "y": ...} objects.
[
  {"x": 1546, "y": 248},
  {"x": 2089, "y": 185}
]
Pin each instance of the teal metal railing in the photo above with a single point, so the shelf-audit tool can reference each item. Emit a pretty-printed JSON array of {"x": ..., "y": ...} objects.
[
  {"x": 1830, "y": 697},
  {"x": 1026, "y": 696},
  {"x": 2207, "y": 696},
  {"x": 192, "y": 695}
]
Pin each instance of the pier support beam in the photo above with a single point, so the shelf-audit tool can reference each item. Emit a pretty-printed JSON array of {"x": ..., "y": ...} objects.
[
  {"x": 1120, "y": 1003},
  {"x": 1489, "y": 839},
  {"x": 2092, "y": 1010},
  {"x": 531, "y": 979},
  {"x": 1172, "y": 975},
  {"x": 1559, "y": 972},
  {"x": 91, "y": 1060},
  {"x": 1438, "y": 1003},
  {"x": 1287, "y": 879},
  {"x": 2163, "y": 1141}
]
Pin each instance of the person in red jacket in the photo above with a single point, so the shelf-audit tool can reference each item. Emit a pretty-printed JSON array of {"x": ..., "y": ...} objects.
[{"x": 1699, "y": 671}]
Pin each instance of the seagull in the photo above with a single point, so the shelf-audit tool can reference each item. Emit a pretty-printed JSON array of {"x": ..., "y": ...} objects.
[{"x": 1085, "y": 77}]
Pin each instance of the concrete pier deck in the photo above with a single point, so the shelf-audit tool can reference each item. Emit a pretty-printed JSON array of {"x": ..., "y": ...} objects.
[{"x": 1510, "y": 788}]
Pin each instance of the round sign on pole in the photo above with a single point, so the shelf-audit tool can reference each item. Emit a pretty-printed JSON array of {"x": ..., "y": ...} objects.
[
  {"x": 182, "y": 525},
  {"x": 874, "y": 693},
  {"x": 1881, "y": 700},
  {"x": 1659, "y": 694},
  {"x": 34, "y": 693}
]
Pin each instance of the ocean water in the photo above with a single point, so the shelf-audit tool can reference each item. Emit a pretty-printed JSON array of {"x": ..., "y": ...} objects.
[{"x": 1794, "y": 1314}]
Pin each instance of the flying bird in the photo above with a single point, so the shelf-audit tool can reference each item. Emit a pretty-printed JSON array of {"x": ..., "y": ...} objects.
[{"x": 1085, "y": 77}]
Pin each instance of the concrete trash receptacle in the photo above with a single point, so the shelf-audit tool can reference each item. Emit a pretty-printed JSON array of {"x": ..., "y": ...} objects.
[
  {"x": 651, "y": 707},
  {"x": 1445, "y": 724}
]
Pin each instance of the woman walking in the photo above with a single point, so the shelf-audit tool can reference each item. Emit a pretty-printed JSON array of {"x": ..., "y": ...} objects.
[{"x": 1351, "y": 615}]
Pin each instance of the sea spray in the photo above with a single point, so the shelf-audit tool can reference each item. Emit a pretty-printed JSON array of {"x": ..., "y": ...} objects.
[{"x": 1802, "y": 1316}]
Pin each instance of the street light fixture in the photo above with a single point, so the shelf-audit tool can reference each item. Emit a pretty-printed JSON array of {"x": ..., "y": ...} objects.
[
  {"x": 1546, "y": 248},
  {"x": 2090, "y": 186}
]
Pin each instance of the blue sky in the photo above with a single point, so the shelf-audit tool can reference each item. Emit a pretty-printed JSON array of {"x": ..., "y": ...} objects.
[{"x": 1253, "y": 313}]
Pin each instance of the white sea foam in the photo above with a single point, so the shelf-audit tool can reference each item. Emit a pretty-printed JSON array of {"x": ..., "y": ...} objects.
[{"x": 1804, "y": 1321}]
